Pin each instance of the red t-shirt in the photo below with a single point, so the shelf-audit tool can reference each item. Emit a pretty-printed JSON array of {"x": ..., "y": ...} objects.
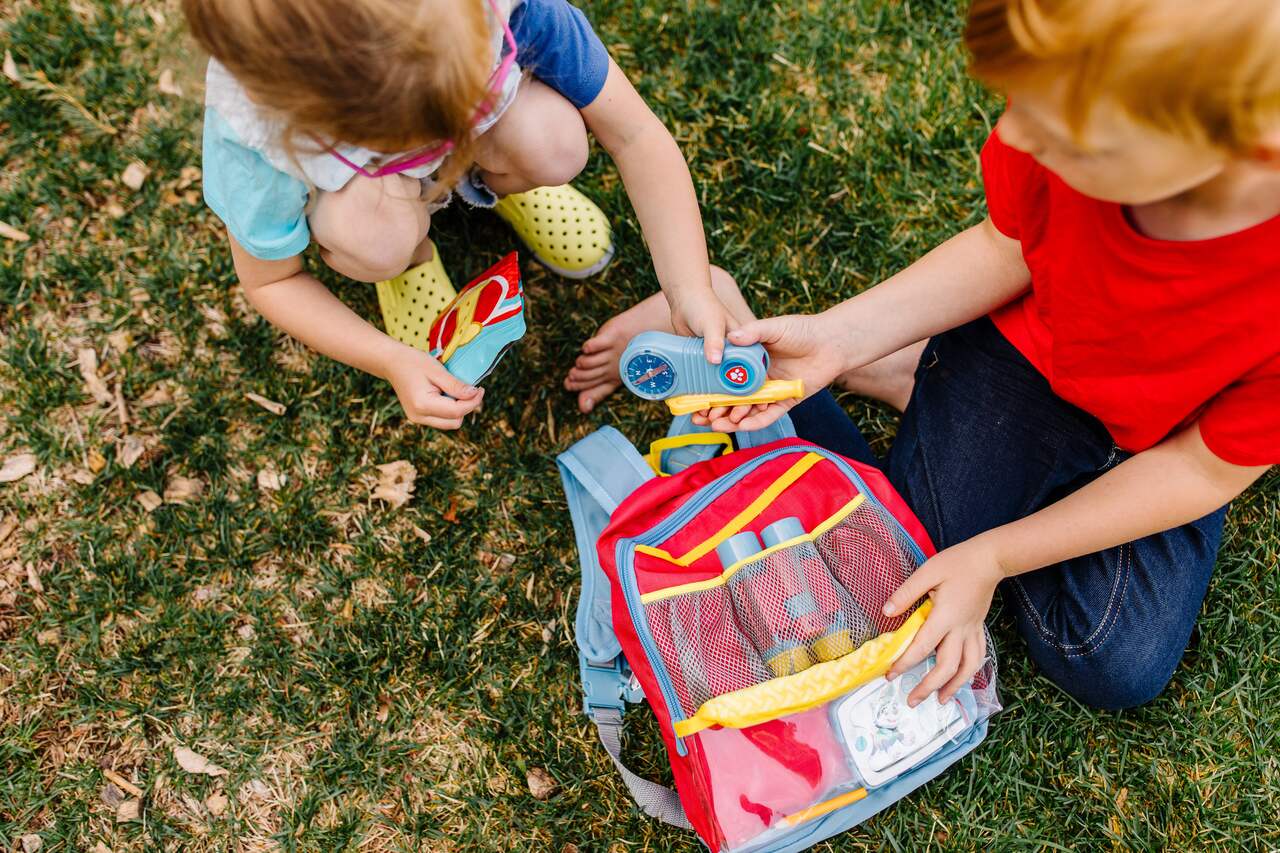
[{"x": 1146, "y": 335}]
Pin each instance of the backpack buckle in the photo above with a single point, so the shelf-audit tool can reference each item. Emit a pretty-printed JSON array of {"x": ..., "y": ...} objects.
[{"x": 608, "y": 686}]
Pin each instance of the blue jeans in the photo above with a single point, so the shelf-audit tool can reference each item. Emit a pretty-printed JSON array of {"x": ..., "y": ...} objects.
[{"x": 985, "y": 441}]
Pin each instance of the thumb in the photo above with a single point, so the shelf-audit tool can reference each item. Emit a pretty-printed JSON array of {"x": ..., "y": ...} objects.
[
  {"x": 911, "y": 591},
  {"x": 713, "y": 340},
  {"x": 766, "y": 331},
  {"x": 448, "y": 383}
]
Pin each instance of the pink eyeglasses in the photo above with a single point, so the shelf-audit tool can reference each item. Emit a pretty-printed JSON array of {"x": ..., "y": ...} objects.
[{"x": 431, "y": 153}]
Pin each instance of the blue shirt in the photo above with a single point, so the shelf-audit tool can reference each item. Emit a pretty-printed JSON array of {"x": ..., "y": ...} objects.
[{"x": 265, "y": 208}]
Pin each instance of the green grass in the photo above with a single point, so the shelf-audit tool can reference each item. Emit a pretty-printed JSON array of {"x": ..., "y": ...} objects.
[{"x": 367, "y": 689}]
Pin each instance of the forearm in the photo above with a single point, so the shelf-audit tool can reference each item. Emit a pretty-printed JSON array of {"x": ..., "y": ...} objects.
[
  {"x": 661, "y": 190},
  {"x": 305, "y": 309},
  {"x": 1173, "y": 483},
  {"x": 967, "y": 276},
  {"x": 657, "y": 180}
]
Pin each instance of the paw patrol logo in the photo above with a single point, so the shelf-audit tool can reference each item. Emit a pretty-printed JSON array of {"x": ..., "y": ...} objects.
[{"x": 737, "y": 375}]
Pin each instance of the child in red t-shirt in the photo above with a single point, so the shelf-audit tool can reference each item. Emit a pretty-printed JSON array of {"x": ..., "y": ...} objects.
[{"x": 1110, "y": 379}]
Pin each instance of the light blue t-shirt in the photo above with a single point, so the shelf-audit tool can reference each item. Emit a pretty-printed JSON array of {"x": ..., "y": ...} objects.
[{"x": 264, "y": 207}]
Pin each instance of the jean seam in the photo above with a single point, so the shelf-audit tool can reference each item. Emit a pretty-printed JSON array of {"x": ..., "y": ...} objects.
[{"x": 1108, "y": 617}]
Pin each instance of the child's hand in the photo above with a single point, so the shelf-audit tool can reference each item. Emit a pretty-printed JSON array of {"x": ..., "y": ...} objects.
[
  {"x": 961, "y": 581},
  {"x": 800, "y": 346},
  {"x": 701, "y": 314},
  {"x": 421, "y": 383}
]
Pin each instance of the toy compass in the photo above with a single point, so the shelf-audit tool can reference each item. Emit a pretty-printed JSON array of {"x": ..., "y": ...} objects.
[{"x": 663, "y": 366}]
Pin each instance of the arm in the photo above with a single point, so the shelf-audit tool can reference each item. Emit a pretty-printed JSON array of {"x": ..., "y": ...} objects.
[
  {"x": 294, "y": 301},
  {"x": 661, "y": 191},
  {"x": 967, "y": 276},
  {"x": 1171, "y": 484}
]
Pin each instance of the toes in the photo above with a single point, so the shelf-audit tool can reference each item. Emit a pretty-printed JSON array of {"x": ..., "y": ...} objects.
[
  {"x": 590, "y": 376},
  {"x": 588, "y": 399},
  {"x": 594, "y": 360}
]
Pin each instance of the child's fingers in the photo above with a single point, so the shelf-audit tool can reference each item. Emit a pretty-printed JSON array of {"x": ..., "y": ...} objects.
[
  {"x": 448, "y": 383},
  {"x": 950, "y": 652},
  {"x": 737, "y": 413},
  {"x": 911, "y": 591},
  {"x": 925, "y": 641},
  {"x": 435, "y": 405},
  {"x": 970, "y": 661}
]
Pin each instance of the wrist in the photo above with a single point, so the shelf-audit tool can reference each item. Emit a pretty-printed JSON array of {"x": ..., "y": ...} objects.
[
  {"x": 993, "y": 547},
  {"x": 837, "y": 327}
]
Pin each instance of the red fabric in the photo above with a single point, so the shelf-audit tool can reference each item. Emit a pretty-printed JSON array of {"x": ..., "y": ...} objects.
[
  {"x": 820, "y": 492},
  {"x": 1146, "y": 335}
]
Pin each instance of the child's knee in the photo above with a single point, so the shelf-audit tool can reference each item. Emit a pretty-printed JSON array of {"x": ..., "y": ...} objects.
[
  {"x": 560, "y": 157},
  {"x": 372, "y": 232},
  {"x": 723, "y": 283}
]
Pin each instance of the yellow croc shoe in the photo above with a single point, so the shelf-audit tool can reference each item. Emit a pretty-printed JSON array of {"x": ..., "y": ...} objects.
[
  {"x": 563, "y": 229},
  {"x": 411, "y": 301}
]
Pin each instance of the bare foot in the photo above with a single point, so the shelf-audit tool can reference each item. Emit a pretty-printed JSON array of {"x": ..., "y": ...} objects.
[
  {"x": 594, "y": 374},
  {"x": 890, "y": 379}
]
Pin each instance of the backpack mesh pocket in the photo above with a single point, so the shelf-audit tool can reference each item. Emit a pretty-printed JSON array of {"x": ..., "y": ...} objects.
[
  {"x": 705, "y": 650},
  {"x": 794, "y": 611},
  {"x": 870, "y": 556}
]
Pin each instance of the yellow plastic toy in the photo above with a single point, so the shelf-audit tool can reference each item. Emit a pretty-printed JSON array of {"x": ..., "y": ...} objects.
[{"x": 772, "y": 391}]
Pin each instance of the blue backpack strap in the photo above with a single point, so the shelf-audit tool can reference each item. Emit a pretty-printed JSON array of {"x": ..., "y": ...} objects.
[
  {"x": 779, "y": 429},
  {"x": 598, "y": 472}
]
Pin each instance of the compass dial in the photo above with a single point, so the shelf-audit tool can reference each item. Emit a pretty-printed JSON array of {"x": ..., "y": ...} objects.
[{"x": 651, "y": 376}]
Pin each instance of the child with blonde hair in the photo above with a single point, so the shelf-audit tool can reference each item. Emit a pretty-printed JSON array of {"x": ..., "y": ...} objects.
[
  {"x": 348, "y": 122},
  {"x": 1092, "y": 373}
]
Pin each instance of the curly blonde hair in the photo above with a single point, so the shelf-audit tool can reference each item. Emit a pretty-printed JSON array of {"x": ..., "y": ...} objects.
[{"x": 1208, "y": 71}]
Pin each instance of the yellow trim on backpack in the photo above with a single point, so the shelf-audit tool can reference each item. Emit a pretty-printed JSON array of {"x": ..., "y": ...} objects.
[
  {"x": 710, "y": 583},
  {"x": 742, "y": 519},
  {"x": 815, "y": 686},
  {"x": 671, "y": 442}
]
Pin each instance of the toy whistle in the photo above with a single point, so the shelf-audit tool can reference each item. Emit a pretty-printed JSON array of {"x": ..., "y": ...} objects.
[{"x": 673, "y": 368}]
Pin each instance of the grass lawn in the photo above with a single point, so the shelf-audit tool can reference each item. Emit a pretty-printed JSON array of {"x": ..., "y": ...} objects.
[{"x": 383, "y": 678}]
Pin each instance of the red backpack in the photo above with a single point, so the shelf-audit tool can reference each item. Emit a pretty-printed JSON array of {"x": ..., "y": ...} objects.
[{"x": 742, "y": 597}]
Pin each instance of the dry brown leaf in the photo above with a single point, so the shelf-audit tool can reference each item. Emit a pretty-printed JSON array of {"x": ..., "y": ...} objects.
[
  {"x": 17, "y": 467},
  {"x": 422, "y": 534},
  {"x": 31, "y": 843},
  {"x": 135, "y": 175},
  {"x": 7, "y": 527},
  {"x": 150, "y": 500},
  {"x": 395, "y": 482},
  {"x": 81, "y": 476},
  {"x": 121, "y": 340},
  {"x": 112, "y": 795},
  {"x": 33, "y": 578},
  {"x": 95, "y": 460},
  {"x": 167, "y": 84},
  {"x": 270, "y": 405},
  {"x": 182, "y": 490},
  {"x": 451, "y": 514},
  {"x": 130, "y": 809},
  {"x": 541, "y": 785},
  {"x": 10, "y": 67},
  {"x": 194, "y": 762},
  {"x": 130, "y": 451},
  {"x": 216, "y": 804},
  {"x": 8, "y": 232},
  {"x": 49, "y": 637},
  {"x": 271, "y": 480},
  {"x": 101, "y": 848},
  {"x": 87, "y": 360}
]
